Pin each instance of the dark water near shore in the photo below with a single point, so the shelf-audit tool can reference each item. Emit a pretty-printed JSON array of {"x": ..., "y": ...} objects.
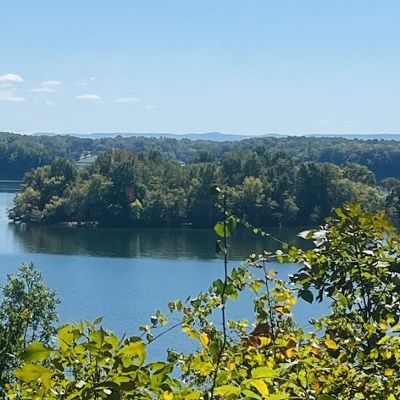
[{"x": 125, "y": 275}]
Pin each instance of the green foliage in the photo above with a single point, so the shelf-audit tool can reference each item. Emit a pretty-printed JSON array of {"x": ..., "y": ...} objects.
[
  {"x": 92, "y": 363},
  {"x": 225, "y": 228},
  {"x": 353, "y": 265},
  {"x": 27, "y": 314},
  {"x": 43, "y": 196},
  {"x": 392, "y": 185},
  {"x": 124, "y": 189},
  {"x": 20, "y": 153},
  {"x": 352, "y": 353},
  {"x": 359, "y": 173}
]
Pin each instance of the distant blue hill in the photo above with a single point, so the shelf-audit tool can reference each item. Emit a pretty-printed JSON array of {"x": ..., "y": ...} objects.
[
  {"x": 214, "y": 136},
  {"x": 361, "y": 136},
  {"x": 225, "y": 137}
]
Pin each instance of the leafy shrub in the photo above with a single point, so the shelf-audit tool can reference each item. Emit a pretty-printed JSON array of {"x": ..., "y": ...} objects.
[{"x": 351, "y": 353}]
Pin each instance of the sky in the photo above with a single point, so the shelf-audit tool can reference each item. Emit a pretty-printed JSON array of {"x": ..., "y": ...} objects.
[{"x": 184, "y": 66}]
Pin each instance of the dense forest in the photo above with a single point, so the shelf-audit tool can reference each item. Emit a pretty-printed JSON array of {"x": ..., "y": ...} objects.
[
  {"x": 20, "y": 153},
  {"x": 125, "y": 189}
]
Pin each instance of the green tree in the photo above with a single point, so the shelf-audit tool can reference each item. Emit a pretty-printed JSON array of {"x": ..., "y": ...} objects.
[
  {"x": 267, "y": 188},
  {"x": 27, "y": 313},
  {"x": 355, "y": 264},
  {"x": 392, "y": 186},
  {"x": 359, "y": 173}
]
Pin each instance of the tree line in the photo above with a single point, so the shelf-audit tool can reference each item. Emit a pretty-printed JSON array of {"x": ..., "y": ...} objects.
[
  {"x": 20, "y": 153},
  {"x": 125, "y": 189}
]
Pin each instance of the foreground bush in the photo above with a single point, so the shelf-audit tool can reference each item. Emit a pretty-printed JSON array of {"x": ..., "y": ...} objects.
[
  {"x": 351, "y": 353},
  {"x": 27, "y": 313}
]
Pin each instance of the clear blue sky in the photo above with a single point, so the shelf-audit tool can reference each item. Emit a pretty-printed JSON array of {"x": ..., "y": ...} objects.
[{"x": 235, "y": 66}]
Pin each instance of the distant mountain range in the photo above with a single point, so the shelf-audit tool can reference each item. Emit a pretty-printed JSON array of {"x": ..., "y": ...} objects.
[{"x": 224, "y": 137}]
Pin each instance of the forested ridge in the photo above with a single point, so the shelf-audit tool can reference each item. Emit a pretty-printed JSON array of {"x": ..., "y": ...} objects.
[
  {"x": 20, "y": 153},
  {"x": 126, "y": 189}
]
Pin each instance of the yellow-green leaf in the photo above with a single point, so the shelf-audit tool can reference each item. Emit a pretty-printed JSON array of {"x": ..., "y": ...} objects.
[
  {"x": 36, "y": 351},
  {"x": 261, "y": 386},
  {"x": 136, "y": 349},
  {"x": 227, "y": 390},
  {"x": 389, "y": 372},
  {"x": 263, "y": 372},
  {"x": 204, "y": 339},
  {"x": 330, "y": 344},
  {"x": 32, "y": 372}
]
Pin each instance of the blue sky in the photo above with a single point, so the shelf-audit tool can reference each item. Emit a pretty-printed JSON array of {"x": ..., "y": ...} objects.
[{"x": 235, "y": 66}]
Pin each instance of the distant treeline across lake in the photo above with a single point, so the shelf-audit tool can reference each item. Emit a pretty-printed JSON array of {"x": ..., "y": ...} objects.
[{"x": 20, "y": 153}]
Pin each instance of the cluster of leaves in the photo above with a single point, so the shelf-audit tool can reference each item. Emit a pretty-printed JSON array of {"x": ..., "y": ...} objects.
[
  {"x": 121, "y": 188},
  {"x": 92, "y": 363},
  {"x": 27, "y": 313},
  {"x": 351, "y": 353},
  {"x": 355, "y": 265}
]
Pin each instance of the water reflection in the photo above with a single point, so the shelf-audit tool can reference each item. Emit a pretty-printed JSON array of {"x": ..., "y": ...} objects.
[
  {"x": 9, "y": 186},
  {"x": 163, "y": 243},
  {"x": 149, "y": 268},
  {"x": 108, "y": 242}
]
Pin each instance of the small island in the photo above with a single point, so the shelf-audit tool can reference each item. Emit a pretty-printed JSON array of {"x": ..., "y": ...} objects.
[{"x": 123, "y": 189}]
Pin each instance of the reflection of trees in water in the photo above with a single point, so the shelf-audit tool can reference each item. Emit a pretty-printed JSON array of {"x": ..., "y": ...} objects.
[{"x": 168, "y": 243}]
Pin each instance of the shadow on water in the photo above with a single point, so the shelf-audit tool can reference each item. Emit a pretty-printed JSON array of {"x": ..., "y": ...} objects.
[{"x": 162, "y": 243}]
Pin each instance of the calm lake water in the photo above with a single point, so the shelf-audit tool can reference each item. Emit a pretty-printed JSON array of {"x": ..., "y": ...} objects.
[{"x": 125, "y": 275}]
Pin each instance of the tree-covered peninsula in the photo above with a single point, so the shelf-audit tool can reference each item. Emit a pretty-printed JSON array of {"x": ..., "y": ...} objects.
[{"x": 126, "y": 189}]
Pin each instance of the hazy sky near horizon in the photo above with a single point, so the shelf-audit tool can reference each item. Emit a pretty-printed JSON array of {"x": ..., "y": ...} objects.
[{"x": 234, "y": 66}]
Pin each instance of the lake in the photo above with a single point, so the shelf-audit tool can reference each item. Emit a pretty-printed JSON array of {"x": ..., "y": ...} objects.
[{"x": 125, "y": 275}]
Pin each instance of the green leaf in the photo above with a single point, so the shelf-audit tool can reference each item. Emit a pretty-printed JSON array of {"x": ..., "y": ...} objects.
[
  {"x": 135, "y": 349},
  {"x": 65, "y": 336},
  {"x": 36, "y": 351},
  {"x": 325, "y": 397},
  {"x": 226, "y": 228},
  {"x": 306, "y": 295},
  {"x": 251, "y": 395},
  {"x": 341, "y": 298},
  {"x": 218, "y": 286},
  {"x": 219, "y": 229},
  {"x": 277, "y": 396},
  {"x": 263, "y": 372},
  {"x": 98, "y": 321},
  {"x": 32, "y": 372},
  {"x": 226, "y": 390}
]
